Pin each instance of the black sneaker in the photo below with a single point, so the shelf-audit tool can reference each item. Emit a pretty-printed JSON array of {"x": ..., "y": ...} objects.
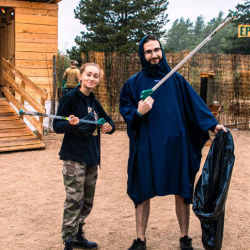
[
  {"x": 186, "y": 243},
  {"x": 68, "y": 246},
  {"x": 81, "y": 242},
  {"x": 138, "y": 245}
]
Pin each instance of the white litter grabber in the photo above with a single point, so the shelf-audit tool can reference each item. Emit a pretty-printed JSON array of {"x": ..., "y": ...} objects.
[
  {"x": 101, "y": 121},
  {"x": 232, "y": 15}
]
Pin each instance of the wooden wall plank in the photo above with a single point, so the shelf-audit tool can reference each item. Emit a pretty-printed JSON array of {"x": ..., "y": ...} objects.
[
  {"x": 41, "y": 12},
  {"x": 37, "y": 96},
  {"x": 36, "y": 38},
  {"x": 47, "y": 20},
  {"x": 36, "y": 72},
  {"x": 9, "y": 124},
  {"x": 35, "y": 64},
  {"x": 34, "y": 55},
  {"x": 19, "y": 140},
  {"x": 48, "y": 87},
  {"x": 16, "y": 132},
  {"x": 36, "y": 47},
  {"x": 17, "y": 148},
  {"x": 31, "y": 5},
  {"x": 9, "y": 117},
  {"x": 39, "y": 29},
  {"x": 36, "y": 43},
  {"x": 40, "y": 81}
]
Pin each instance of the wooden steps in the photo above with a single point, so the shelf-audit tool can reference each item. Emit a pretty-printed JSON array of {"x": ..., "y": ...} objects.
[{"x": 14, "y": 133}]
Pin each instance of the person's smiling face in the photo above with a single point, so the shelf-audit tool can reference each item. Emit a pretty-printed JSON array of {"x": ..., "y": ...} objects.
[
  {"x": 90, "y": 77},
  {"x": 152, "y": 51}
]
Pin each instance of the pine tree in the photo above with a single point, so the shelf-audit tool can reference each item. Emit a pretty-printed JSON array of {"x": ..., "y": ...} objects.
[
  {"x": 178, "y": 37},
  {"x": 239, "y": 45},
  {"x": 214, "y": 46},
  {"x": 118, "y": 25},
  {"x": 184, "y": 36},
  {"x": 197, "y": 36}
]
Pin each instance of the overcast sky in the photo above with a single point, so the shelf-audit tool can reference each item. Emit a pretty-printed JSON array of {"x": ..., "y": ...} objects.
[{"x": 69, "y": 27}]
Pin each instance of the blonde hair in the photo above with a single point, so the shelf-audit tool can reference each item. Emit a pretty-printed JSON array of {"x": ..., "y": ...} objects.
[{"x": 85, "y": 65}]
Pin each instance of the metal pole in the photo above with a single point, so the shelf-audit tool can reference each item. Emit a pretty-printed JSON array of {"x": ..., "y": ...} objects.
[{"x": 54, "y": 85}]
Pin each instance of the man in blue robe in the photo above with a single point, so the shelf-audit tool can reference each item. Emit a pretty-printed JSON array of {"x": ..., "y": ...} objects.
[{"x": 167, "y": 132}]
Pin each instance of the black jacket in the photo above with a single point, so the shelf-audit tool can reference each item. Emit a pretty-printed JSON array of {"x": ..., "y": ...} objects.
[{"x": 75, "y": 148}]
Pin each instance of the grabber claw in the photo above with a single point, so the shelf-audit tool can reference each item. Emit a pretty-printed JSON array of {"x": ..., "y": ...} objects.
[
  {"x": 146, "y": 93},
  {"x": 101, "y": 121},
  {"x": 233, "y": 13}
]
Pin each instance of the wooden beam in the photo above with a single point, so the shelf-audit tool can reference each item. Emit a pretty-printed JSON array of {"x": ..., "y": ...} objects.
[
  {"x": 19, "y": 106},
  {"x": 33, "y": 64},
  {"x": 30, "y": 139},
  {"x": 47, "y": 20},
  {"x": 41, "y": 81},
  {"x": 37, "y": 47},
  {"x": 36, "y": 105},
  {"x": 36, "y": 28},
  {"x": 6, "y": 133},
  {"x": 40, "y": 12},
  {"x": 17, "y": 148},
  {"x": 34, "y": 55},
  {"x": 31, "y": 72},
  {"x": 36, "y": 38},
  {"x": 31, "y": 5},
  {"x": 24, "y": 78}
]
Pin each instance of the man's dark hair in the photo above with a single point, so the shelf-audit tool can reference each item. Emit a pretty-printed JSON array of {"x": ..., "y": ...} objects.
[
  {"x": 74, "y": 62},
  {"x": 149, "y": 38}
]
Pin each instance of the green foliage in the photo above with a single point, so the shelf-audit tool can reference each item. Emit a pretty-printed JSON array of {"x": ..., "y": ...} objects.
[
  {"x": 184, "y": 36},
  {"x": 118, "y": 25},
  {"x": 178, "y": 36},
  {"x": 214, "y": 46},
  {"x": 239, "y": 45}
]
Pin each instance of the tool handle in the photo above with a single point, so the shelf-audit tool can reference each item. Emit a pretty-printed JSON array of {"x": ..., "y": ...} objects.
[{"x": 146, "y": 93}]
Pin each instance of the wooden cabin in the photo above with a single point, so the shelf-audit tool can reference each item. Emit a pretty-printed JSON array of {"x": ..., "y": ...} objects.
[
  {"x": 28, "y": 45},
  {"x": 29, "y": 39}
]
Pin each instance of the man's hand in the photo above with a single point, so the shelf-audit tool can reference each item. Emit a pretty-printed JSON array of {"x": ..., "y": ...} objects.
[
  {"x": 146, "y": 105},
  {"x": 106, "y": 127},
  {"x": 219, "y": 127},
  {"x": 74, "y": 120}
]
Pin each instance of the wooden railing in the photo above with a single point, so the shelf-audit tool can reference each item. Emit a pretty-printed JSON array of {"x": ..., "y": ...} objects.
[{"x": 39, "y": 107}]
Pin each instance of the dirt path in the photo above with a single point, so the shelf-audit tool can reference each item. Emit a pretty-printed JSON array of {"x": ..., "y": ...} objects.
[{"x": 32, "y": 196}]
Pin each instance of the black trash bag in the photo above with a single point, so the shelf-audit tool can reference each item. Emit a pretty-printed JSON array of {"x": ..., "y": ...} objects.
[
  {"x": 212, "y": 189},
  {"x": 83, "y": 129}
]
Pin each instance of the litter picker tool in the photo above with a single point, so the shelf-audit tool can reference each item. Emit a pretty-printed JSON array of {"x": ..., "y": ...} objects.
[
  {"x": 232, "y": 15},
  {"x": 101, "y": 121}
]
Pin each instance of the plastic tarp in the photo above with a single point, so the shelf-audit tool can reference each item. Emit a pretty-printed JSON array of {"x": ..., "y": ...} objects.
[{"x": 212, "y": 189}]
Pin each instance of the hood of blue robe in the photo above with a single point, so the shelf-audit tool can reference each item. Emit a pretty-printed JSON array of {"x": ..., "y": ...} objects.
[{"x": 156, "y": 70}]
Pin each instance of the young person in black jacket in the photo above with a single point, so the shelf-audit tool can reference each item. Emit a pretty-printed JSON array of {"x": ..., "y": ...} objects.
[{"x": 80, "y": 152}]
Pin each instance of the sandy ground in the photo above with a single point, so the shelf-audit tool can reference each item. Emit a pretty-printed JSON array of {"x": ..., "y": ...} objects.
[{"x": 32, "y": 197}]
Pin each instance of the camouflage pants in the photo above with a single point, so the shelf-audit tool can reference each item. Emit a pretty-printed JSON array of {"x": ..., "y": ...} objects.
[{"x": 79, "y": 182}]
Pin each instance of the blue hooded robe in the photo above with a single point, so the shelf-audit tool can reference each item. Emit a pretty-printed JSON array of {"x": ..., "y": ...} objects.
[{"x": 165, "y": 143}]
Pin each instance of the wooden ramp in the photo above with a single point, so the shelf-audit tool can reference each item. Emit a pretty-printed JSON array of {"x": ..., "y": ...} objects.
[{"x": 14, "y": 133}]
